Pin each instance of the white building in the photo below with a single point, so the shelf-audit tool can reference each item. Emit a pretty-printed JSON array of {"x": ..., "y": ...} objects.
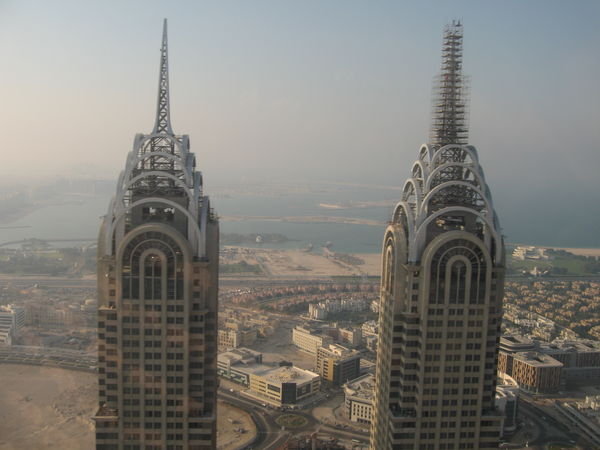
[
  {"x": 12, "y": 319},
  {"x": 359, "y": 399},
  {"x": 507, "y": 400},
  {"x": 308, "y": 340}
]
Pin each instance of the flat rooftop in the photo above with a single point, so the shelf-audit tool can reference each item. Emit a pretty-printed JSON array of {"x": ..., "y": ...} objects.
[
  {"x": 537, "y": 359},
  {"x": 570, "y": 347},
  {"x": 515, "y": 342},
  {"x": 240, "y": 354},
  {"x": 286, "y": 374},
  {"x": 363, "y": 387}
]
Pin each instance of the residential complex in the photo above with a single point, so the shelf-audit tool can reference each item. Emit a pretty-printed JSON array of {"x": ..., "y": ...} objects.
[
  {"x": 157, "y": 297},
  {"x": 441, "y": 290},
  {"x": 322, "y": 310}
]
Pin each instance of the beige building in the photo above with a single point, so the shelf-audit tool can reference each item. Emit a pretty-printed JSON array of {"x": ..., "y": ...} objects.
[
  {"x": 236, "y": 338},
  {"x": 359, "y": 399},
  {"x": 233, "y": 364},
  {"x": 350, "y": 336},
  {"x": 309, "y": 340},
  {"x": 158, "y": 255},
  {"x": 337, "y": 364},
  {"x": 283, "y": 385}
]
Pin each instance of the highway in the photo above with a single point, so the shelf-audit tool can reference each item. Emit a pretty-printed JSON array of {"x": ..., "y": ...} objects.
[
  {"x": 51, "y": 357},
  {"x": 551, "y": 432},
  {"x": 42, "y": 281}
]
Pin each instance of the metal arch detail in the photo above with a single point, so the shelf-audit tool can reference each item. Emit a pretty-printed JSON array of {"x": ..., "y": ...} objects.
[
  {"x": 417, "y": 244},
  {"x": 160, "y": 169},
  {"x": 440, "y": 187},
  {"x": 440, "y": 174},
  {"x": 121, "y": 215}
]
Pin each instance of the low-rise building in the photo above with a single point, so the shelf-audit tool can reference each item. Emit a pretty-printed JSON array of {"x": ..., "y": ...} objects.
[
  {"x": 231, "y": 364},
  {"x": 359, "y": 399},
  {"x": 12, "y": 318},
  {"x": 581, "y": 360},
  {"x": 369, "y": 328},
  {"x": 536, "y": 372},
  {"x": 317, "y": 311},
  {"x": 507, "y": 402},
  {"x": 337, "y": 364},
  {"x": 309, "y": 340},
  {"x": 229, "y": 338},
  {"x": 283, "y": 385},
  {"x": 350, "y": 336},
  {"x": 276, "y": 385}
]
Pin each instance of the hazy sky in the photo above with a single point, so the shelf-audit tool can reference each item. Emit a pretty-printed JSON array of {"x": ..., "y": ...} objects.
[{"x": 320, "y": 90}]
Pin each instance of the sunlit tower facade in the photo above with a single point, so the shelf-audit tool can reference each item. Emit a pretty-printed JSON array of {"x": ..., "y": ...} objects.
[
  {"x": 157, "y": 297},
  {"x": 441, "y": 289}
]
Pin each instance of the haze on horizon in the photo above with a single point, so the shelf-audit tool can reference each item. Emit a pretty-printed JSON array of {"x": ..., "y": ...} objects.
[{"x": 331, "y": 91}]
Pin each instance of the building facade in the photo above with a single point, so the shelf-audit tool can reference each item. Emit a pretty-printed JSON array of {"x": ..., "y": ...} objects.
[
  {"x": 157, "y": 297},
  {"x": 441, "y": 290},
  {"x": 284, "y": 385},
  {"x": 337, "y": 364},
  {"x": 12, "y": 319},
  {"x": 358, "y": 399},
  {"x": 232, "y": 364},
  {"x": 536, "y": 372},
  {"x": 507, "y": 401},
  {"x": 310, "y": 340}
]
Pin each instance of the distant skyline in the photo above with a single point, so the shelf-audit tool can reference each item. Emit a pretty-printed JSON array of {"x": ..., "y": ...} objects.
[{"x": 336, "y": 90}]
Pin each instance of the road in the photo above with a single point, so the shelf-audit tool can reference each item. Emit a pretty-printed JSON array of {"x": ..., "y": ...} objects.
[
  {"x": 551, "y": 431},
  {"x": 269, "y": 435},
  {"x": 46, "y": 356},
  {"x": 53, "y": 282}
]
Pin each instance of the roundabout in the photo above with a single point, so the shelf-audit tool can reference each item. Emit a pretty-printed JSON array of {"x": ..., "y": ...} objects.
[{"x": 291, "y": 421}]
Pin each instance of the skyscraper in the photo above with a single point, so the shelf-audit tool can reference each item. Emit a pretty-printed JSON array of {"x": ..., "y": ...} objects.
[
  {"x": 157, "y": 297},
  {"x": 441, "y": 290}
]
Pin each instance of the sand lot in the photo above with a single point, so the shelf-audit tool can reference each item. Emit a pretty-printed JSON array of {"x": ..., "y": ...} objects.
[
  {"x": 235, "y": 428},
  {"x": 49, "y": 408},
  {"x": 46, "y": 408},
  {"x": 300, "y": 264}
]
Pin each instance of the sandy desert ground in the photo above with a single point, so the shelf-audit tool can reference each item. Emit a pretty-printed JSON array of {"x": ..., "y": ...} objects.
[
  {"x": 46, "y": 408},
  {"x": 300, "y": 264},
  {"x": 49, "y": 408}
]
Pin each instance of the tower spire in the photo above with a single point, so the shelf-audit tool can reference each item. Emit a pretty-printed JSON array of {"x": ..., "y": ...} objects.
[
  {"x": 450, "y": 98},
  {"x": 163, "y": 117}
]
